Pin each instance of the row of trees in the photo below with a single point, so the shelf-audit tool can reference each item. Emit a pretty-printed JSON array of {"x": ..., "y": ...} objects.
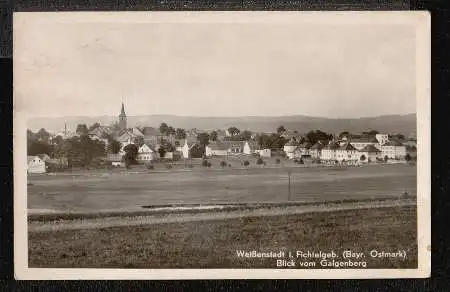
[{"x": 167, "y": 130}]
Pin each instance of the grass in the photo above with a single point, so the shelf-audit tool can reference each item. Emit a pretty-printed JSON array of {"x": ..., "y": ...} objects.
[
  {"x": 86, "y": 192},
  {"x": 213, "y": 244}
]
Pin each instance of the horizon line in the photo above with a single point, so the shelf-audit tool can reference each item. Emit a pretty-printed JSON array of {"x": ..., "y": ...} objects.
[{"x": 243, "y": 116}]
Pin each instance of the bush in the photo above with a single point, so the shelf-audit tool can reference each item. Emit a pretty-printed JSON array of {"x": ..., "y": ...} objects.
[
  {"x": 246, "y": 163},
  {"x": 205, "y": 162},
  {"x": 278, "y": 161},
  {"x": 295, "y": 160},
  {"x": 223, "y": 163},
  {"x": 229, "y": 165},
  {"x": 209, "y": 164},
  {"x": 259, "y": 161},
  {"x": 301, "y": 161},
  {"x": 150, "y": 166},
  {"x": 190, "y": 165},
  {"x": 168, "y": 166}
]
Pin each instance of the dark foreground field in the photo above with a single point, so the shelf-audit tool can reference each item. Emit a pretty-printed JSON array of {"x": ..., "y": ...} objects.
[{"x": 213, "y": 244}]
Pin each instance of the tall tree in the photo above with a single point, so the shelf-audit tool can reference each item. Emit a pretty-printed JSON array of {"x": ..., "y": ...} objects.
[
  {"x": 203, "y": 139},
  {"x": 197, "y": 151},
  {"x": 181, "y": 133},
  {"x": 281, "y": 129},
  {"x": 139, "y": 141},
  {"x": 82, "y": 129},
  {"x": 163, "y": 128},
  {"x": 114, "y": 146},
  {"x": 318, "y": 135},
  {"x": 43, "y": 135},
  {"x": 36, "y": 147},
  {"x": 131, "y": 152},
  {"x": 171, "y": 130},
  {"x": 233, "y": 131},
  {"x": 213, "y": 136}
]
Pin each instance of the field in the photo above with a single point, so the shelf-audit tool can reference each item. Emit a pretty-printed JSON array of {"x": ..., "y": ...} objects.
[
  {"x": 213, "y": 243},
  {"x": 130, "y": 190}
]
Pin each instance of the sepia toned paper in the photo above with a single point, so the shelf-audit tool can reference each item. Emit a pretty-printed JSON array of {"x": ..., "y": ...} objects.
[{"x": 210, "y": 71}]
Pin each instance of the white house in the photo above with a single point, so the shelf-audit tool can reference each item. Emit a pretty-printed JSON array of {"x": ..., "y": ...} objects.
[
  {"x": 290, "y": 146},
  {"x": 35, "y": 165},
  {"x": 360, "y": 143},
  {"x": 347, "y": 152},
  {"x": 393, "y": 150},
  {"x": 250, "y": 147},
  {"x": 224, "y": 148},
  {"x": 264, "y": 152},
  {"x": 382, "y": 138},
  {"x": 328, "y": 152},
  {"x": 371, "y": 153},
  {"x": 315, "y": 150},
  {"x": 146, "y": 154}
]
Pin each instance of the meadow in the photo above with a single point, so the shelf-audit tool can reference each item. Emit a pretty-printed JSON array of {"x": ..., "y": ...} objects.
[{"x": 121, "y": 189}]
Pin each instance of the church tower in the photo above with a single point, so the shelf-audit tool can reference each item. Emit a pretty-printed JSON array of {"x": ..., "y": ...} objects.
[{"x": 123, "y": 119}]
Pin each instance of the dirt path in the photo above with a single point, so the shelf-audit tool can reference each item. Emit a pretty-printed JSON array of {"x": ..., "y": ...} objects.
[{"x": 177, "y": 218}]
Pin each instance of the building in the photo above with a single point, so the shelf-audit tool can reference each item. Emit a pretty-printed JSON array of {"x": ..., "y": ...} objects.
[
  {"x": 360, "y": 143},
  {"x": 115, "y": 159},
  {"x": 328, "y": 152},
  {"x": 266, "y": 153},
  {"x": 123, "y": 118},
  {"x": 393, "y": 150},
  {"x": 304, "y": 148},
  {"x": 250, "y": 147},
  {"x": 35, "y": 165},
  {"x": 371, "y": 153},
  {"x": 315, "y": 150},
  {"x": 146, "y": 154},
  {"x": 224, "y": 148},
  {"x": 347, "y": 152},
  {"x": 382, "y": 138},
  {"x": 186, "y": 148}
]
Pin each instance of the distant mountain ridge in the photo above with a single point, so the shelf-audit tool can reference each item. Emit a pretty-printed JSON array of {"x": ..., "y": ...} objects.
[{"x": 405, "y": 124}]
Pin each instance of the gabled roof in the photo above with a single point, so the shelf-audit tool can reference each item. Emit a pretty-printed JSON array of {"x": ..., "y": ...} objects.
[
  {"x": 114, "y": 157},
  {"x": 370, "y": 149},
  {"x": 331, "y": 146},
  {"x": 393, "y": 143},
  {"x": 347, "y": 146},
  {"x": 149, "y": 146},
  {"x": 225, "y": 145},
  {"x": 305, "y": 144},
  {"x": 317, "y": 146},
  {"x": 364, "y": 140},
  {"x": 292, "y": 142},
  {"x": 151, "y": 131}
]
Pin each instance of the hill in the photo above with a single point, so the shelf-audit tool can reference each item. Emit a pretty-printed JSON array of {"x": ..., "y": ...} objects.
[{"x": 405, "y": 124}]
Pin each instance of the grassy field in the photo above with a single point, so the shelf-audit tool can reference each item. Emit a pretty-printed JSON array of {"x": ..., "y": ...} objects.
[
  {"x": 213, "y": 244},
  {"x": 85, "y": 191}
]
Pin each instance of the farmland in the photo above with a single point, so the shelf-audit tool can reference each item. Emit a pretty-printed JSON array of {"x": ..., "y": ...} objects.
[{"x": 122, "y": 190}]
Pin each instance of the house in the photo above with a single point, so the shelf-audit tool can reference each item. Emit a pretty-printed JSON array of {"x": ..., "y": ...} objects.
[
  {"x": 297, "y": 153},
  {"x": 347, "y": 152},
  {"x": 250, "y": 147},
  {"x": 371, "y": 153},
  {"x": 35, "y": 165},
  {"x": 115, "y": 159},
  {"x": 393, "y": 150},
  {"x": 224, "y": 148},
  {"x": 146, "y": 154},
  {"x": 186, "y": 148},
  {"x": 315, "y": 150},
  {"x": 382, "y": 138},
  {"x": 290, "y": 146},
  {"x": 264, "y": 152},
  {"x": 360, "y": 143},
  {"x": 304, "y": 148},
  {"x": 328, "y": 152}
]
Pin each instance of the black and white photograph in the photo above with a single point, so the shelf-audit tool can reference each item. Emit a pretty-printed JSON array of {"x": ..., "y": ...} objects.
[{"x": 200, "y": 145}]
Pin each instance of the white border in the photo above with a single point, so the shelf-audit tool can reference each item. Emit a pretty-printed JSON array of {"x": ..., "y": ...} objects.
[{"x": 421, "y": 20}]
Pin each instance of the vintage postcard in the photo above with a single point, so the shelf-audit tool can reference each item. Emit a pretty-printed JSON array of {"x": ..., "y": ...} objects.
[{"x": 217, "y": 145}]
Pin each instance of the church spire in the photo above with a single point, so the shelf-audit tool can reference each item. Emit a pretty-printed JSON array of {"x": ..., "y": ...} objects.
[
  {"x": 122, "y": 112},
  {"x": 123, "y": 118}
]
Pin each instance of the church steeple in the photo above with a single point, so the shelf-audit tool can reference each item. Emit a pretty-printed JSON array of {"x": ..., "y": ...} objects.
[{"x": 123, "y": 118}]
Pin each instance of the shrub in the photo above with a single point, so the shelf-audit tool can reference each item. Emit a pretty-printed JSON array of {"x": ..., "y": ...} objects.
[
  {"x": 295, "y": 160},
  {"x": 150, "y": 166},
  {"x": 300, "y": 161},
  {"x": 191, "y": 166},
  {"x": 168, "y": 166},
  {"x": 223, "y": 163},
  {"x": 229, "y": 165},
  {"x": 278, "y": 161},
  {"x": 205, "y": 162},
  {"x": 209, "y": 164},
  {"x": 246, "y": 163},
  {"x": 259, "y": 161}
]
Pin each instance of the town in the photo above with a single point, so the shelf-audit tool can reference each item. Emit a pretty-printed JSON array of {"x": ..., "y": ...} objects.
[{"x": 120, "y": 146}]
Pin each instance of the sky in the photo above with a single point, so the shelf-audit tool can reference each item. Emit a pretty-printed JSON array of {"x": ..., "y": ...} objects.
[{"x": 67, "y": 66}]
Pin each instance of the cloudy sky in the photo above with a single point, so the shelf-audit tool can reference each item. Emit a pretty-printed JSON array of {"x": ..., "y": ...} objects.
[{"x": 69, "y": 67}]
